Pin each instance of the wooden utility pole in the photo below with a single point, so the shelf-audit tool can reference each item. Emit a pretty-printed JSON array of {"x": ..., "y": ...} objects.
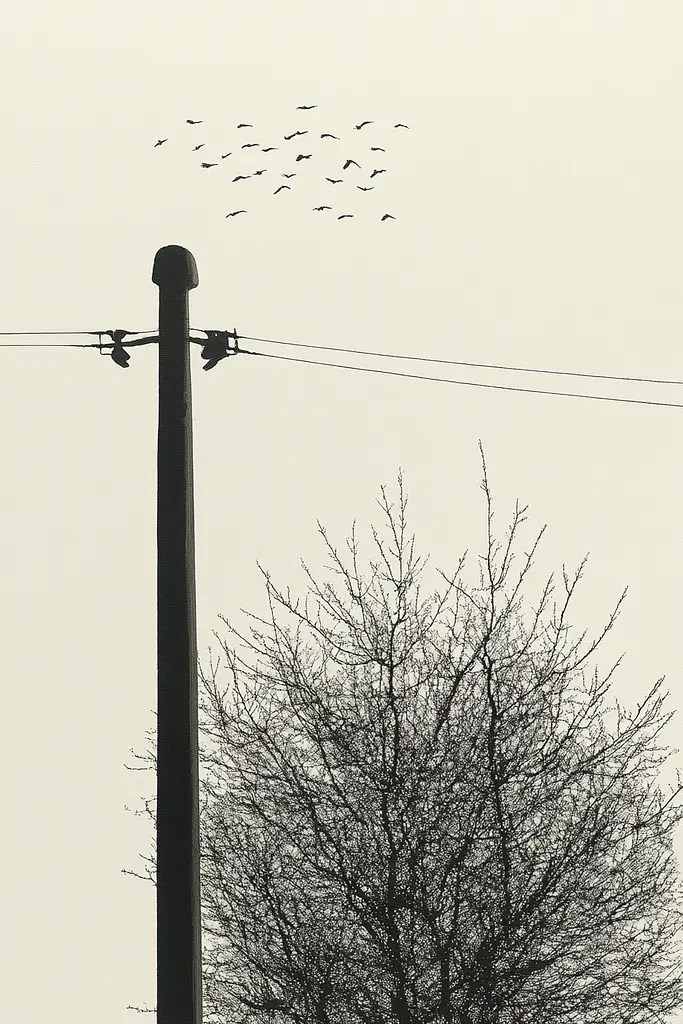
[{"x": 179, "y": 950}]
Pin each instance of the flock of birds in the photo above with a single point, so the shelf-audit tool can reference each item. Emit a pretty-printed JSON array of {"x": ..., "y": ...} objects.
[{"x": 344, "y": 164}]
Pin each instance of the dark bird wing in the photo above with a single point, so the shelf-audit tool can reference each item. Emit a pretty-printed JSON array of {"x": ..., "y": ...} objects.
[
  {"x": 193, "y": 122},
  {"x": 381, "y": 171},
  {"x": 225, "y": 154},
  {"x": 234, "y": 213},
  {"x": 307, "y": 108},
  {"x": 335, "y": 181},
  {"x": 377, "y": 149},
  {"x": 388, "y": 216},
  {"x": 279, "y": 189},
  {"x": 362, "y": 125},
  {"x": 198, "y": 147},
  {"x": 268, "y": 149},
  {"x": 209, "y": 165},
  {"x": 159, "y": 143},
  {"x": 399, "y": 125},
  {"x": 245, "y": 126},
  {"x": 303, "y": 156},
  {"x": 326, "y": 135},
  {"x": 365, "y": 188},
  {"x": 292, "y": 175},
  {"x": 345, "y": 215}
]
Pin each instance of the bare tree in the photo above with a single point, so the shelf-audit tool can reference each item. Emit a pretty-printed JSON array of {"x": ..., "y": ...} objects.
[{"x": 414, "y": 810}]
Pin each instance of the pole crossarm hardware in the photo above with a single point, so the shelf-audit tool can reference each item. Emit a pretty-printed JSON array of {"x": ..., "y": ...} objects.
[{"x": 214, "y": 348}]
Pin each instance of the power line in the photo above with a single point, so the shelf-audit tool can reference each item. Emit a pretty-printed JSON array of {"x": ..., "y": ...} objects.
[
  {"x": 366, "y": 369},
  {"x": 465, "y": 383},
  {"x": 459, "y": 362}
]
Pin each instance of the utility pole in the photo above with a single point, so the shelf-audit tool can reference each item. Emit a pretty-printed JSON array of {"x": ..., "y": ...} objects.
[{"x": 179, "y": 950}]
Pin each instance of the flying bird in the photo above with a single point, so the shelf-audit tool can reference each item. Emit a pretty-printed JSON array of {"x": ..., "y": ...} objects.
[
  {"x": 249, "y": 145},
  {"x": 303, "y": 156},
  {"x": 388, "y": 216},
  {"x": 242, "y": 177},
  {"x": 302, "y": 107},
  {"x": 334, "y": 181},
  {"x": 245, "y": 126},
  {"x": 225, "y": 154},
  {"x": 345, "y": 215},
  {"x": 234, "y": 213},
  {"x": 279, "y": 189},
  {"x": 322, "y": 207},
  {"x": 382, "y": 171},
  {"x": 292, "y": 175},
  {"x": 193, "y": 122},
  {"x": 365, "y": 188},
  {"x": 377, "y": 149},
  {"x": 348, "y": 164},
  {"x": 399, "y": 125},
  {"x": 268, "y": 149},
  {"x": 358, "y": 128},
  {"x": 195, "y": 148},
  {"x": 209, "y": 165},
  {"x": 326, "y": 135},
  {"x": 294, "y": 135},
  {"x": 261, "y": 172},
  {"x": 159, "y": 143}
]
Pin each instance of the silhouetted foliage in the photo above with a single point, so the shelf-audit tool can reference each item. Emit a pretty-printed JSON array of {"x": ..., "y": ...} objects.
[{"x": 414, "y": 811}]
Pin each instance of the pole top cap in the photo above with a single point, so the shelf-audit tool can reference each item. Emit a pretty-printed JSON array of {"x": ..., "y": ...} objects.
[{"x": 175, "y": 267}]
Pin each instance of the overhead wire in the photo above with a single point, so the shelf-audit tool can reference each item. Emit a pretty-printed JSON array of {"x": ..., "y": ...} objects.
[
  {"x": 367, "y": 369},
  {"x": 467, "y": 383},
  {"x": 460, "y": 362}
]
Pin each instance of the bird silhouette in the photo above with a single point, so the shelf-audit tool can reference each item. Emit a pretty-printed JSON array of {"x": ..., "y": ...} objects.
[
  {"x": 362, "y": 125},
  {"x": 399, "y": 125},
  {"x": 303, "y": 156},
  {"x": 226, "y": 154},
  {"x": 195, "y": 148},
  {"x": 326, "y": 135},
  {"x": 382, "y": 171},
  {"x": 334, "y": 181},
  {"x": 249, "y": 145},
  {"x": 234, "y": 213},
  {"x": 294, "y": 135},
  {"x": 365, "y": 188},
  {"x": 268, "y": 149},
  {"x": 292, "y": 175},
  {"x": 245, "y": 126},
  {"x": 348, "y": 164},
  {"x": 377, "y": 149},
  {"x": 193, "y": 122},
  {"x": 388, "y": 216},
  {"x": 345, "y": 215},
  {"x": 261, "y": 172},
  {"x": 302, "y": 107},
  {"x": 322, "y": 207},
  {"x": 209, "y": 165},
  {"x": 242, "y": 177},
  {"x": 119, "y": 355},
  {"x": 279, "y": 189},
  {"x": 159, "y": 143}
]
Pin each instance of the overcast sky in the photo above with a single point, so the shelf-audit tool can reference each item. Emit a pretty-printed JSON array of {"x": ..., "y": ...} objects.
[{"x": 536, "y": 196}]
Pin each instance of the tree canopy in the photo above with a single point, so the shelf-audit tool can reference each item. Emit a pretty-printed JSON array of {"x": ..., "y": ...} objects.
[{"x": 414, "y": 810}]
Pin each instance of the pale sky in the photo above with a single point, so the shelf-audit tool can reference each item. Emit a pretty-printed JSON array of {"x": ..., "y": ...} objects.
[{"x": 538, "y": 224}]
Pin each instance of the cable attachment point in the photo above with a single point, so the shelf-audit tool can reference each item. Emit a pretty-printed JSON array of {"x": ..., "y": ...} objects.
[
  {"x": 118, "y": 352},
  {"x": 216, "y": 347}
]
